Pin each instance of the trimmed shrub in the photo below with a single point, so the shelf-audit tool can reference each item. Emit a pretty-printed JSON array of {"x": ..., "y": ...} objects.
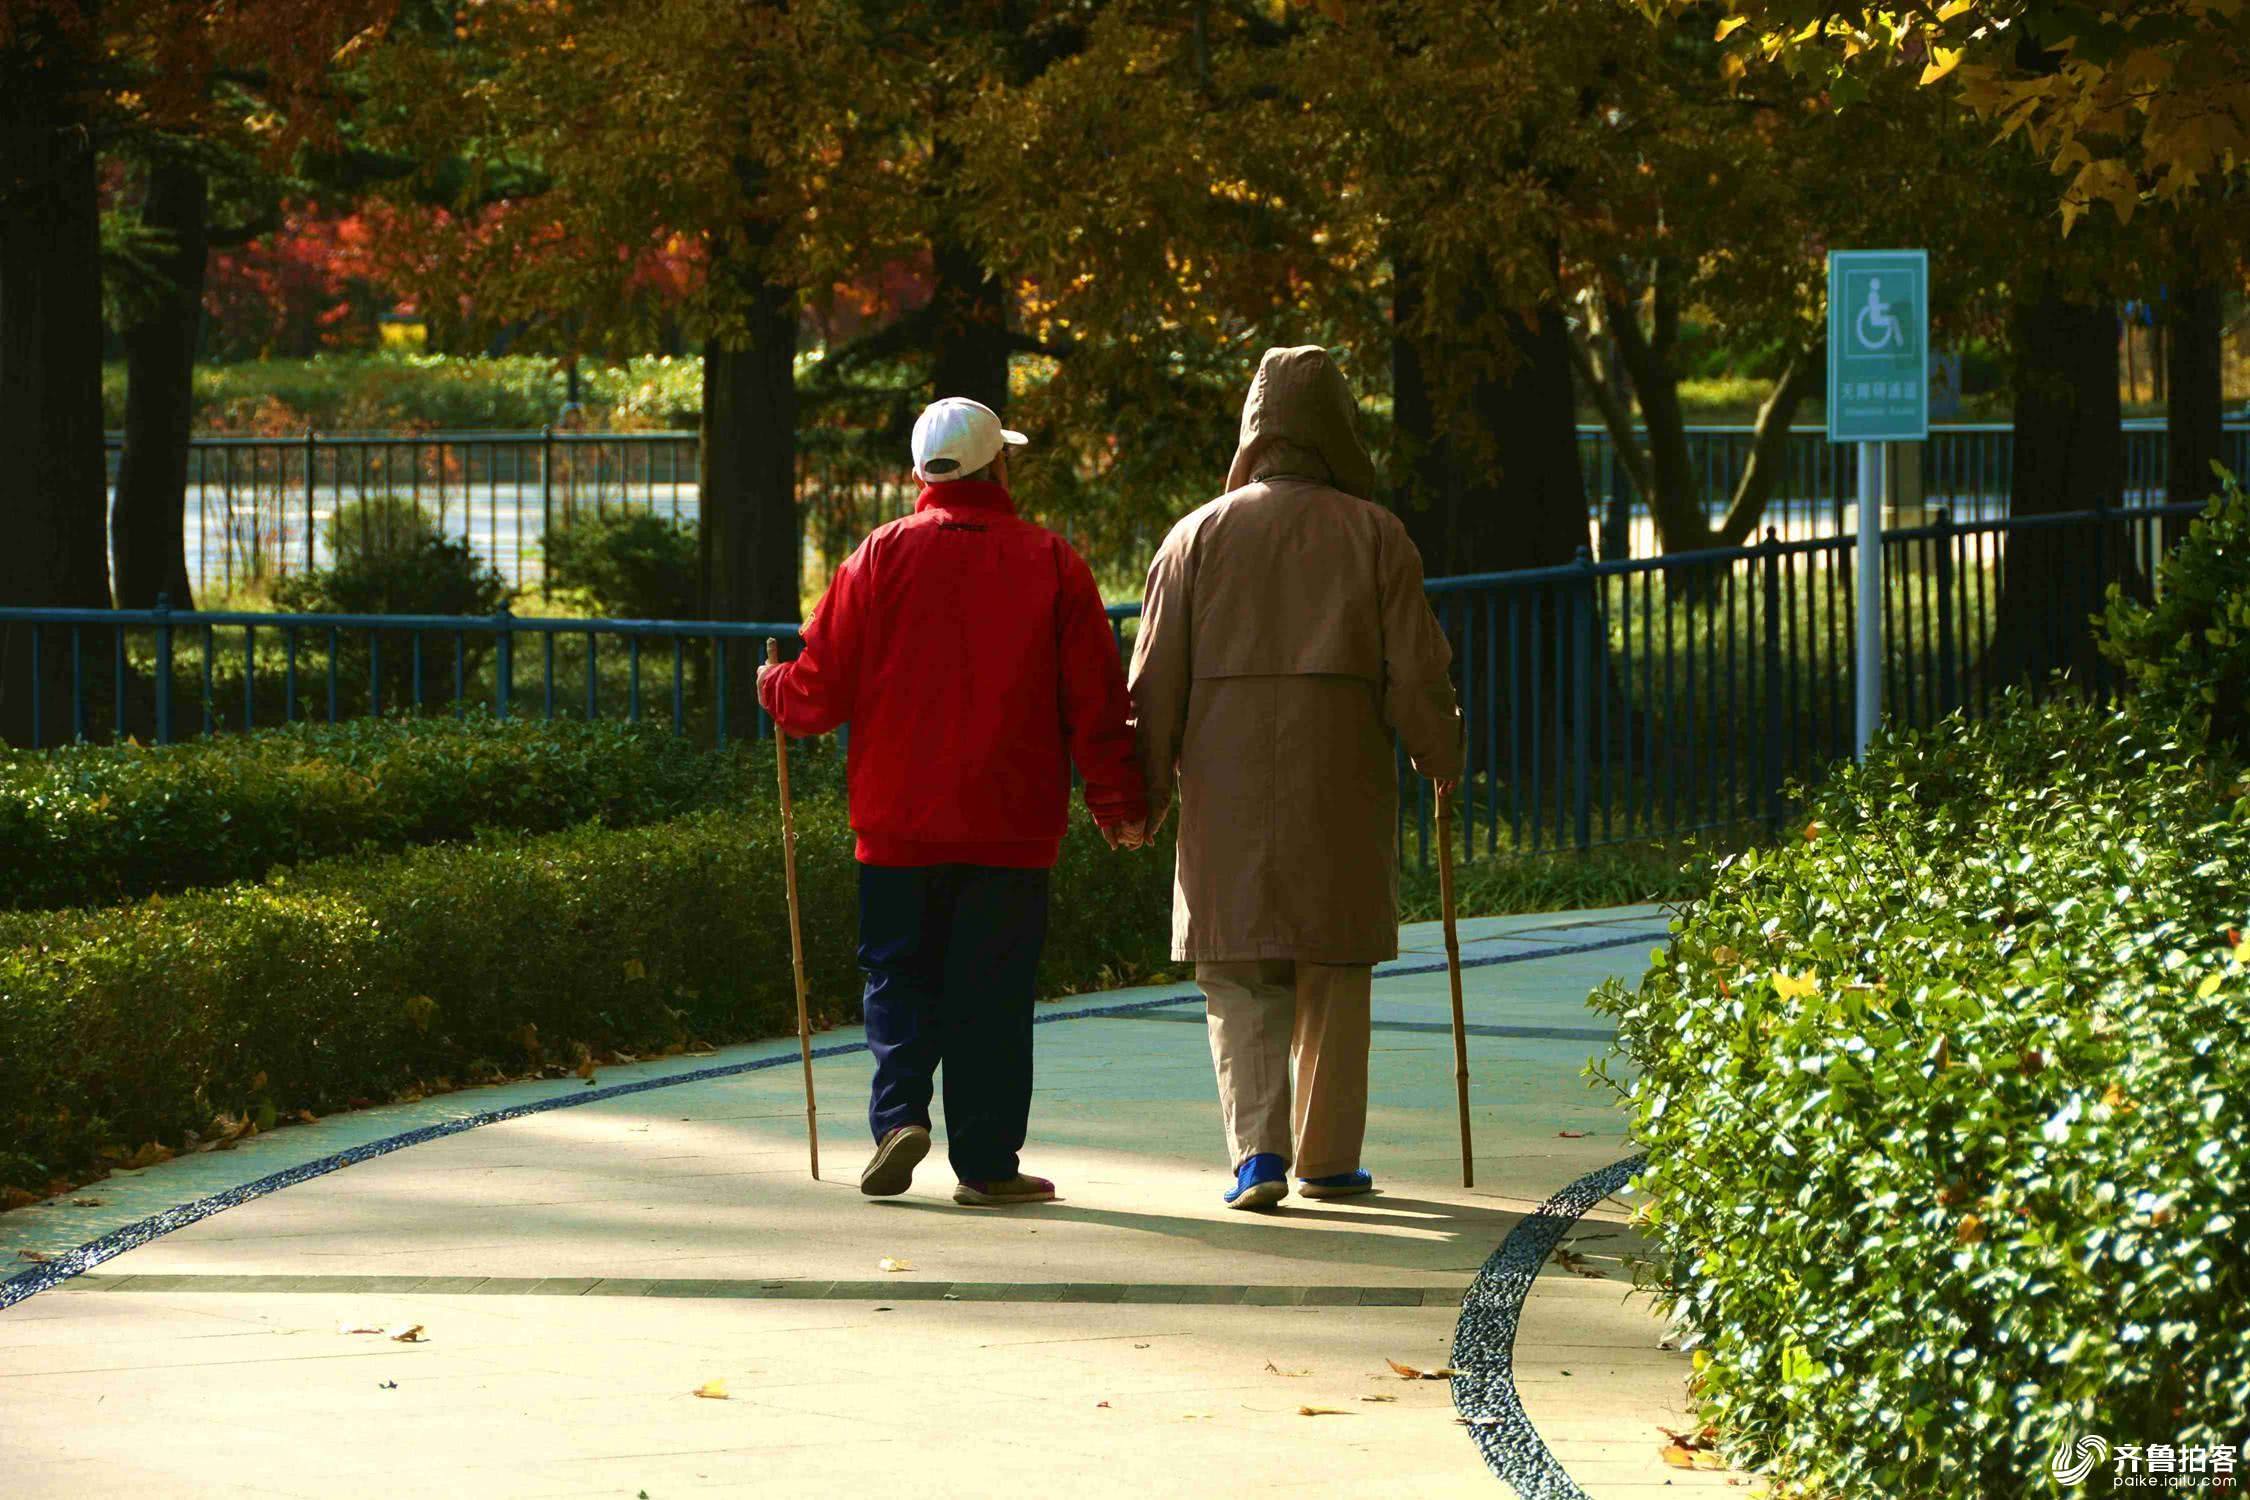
[
  {"x": 88, "y": 824},
  {"x": 362, "y": 979},
  {"x": 2187, "y": 654},
  {"x": 1949, "y": 1117},
  {"x": 629, "y": 564}
]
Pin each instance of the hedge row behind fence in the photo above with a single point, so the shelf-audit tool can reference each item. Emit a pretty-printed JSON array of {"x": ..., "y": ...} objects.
[
  {"x": 1948, "y": 1110},
  {"x": 357, "y": 980},
  {"x": 89, "y": 824}
]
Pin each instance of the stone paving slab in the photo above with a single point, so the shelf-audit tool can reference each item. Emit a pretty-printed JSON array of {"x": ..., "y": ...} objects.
[{"x": 579, "y": 1273}]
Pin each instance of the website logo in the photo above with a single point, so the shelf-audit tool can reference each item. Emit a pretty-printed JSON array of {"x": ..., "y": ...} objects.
[{"x": 2074, "y": 1462}]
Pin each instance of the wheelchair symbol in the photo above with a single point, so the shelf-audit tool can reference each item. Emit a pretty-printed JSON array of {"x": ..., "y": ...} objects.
[{"x": 1875, "y": 327}]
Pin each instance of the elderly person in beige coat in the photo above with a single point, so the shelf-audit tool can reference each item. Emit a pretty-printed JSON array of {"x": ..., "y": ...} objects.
[{"x": 1284, "y": 641}]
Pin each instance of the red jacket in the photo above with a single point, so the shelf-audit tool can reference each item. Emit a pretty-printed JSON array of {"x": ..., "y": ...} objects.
[{"x": 969, "y": 651}]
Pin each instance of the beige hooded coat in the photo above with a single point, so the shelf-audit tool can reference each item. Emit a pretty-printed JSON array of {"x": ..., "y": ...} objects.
[{"x": 1284, "y": 640}]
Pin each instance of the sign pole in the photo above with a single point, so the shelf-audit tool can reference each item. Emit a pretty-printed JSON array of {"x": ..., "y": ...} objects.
[
  {"x": 1868, "y": 678},
  {"x": 1878, "y": 394}
]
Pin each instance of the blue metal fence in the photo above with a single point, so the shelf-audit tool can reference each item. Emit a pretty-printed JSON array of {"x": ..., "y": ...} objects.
[
  {"x": 1626, "y": 701},
  {"x": 261, "y": 508}
]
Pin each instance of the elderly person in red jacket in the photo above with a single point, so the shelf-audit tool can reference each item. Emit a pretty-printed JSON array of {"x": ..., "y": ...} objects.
[{"x": 969, "y": 651}]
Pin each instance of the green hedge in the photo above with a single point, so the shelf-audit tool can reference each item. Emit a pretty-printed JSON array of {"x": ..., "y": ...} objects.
[
  {"x": 1949, "y": 1113},
  {"x": 100, "y": 823},
  {"x": 356, "y": 980},
  {"x": 2186, "y": 654}
]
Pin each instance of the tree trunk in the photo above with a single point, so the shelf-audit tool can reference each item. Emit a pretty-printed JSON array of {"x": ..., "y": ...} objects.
[
  {"x": 752, "y": 562},
  {"x": 51, "y": 491},
  {"x": 147, "y": 545},
  {"x": 2193, "y": 438},
  {"x": 1486, "y": 467},
  {"x": 969, "y": 329},
  {"x": 1536, "y": 491},
  {"x": 1487, "y": 459},
  {"x": 2068, "y": 456},
  {"x": 1421, "y": 467}
]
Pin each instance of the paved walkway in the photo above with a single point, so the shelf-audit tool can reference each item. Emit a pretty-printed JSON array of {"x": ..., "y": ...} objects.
[{"x": 578, "y": 1273}]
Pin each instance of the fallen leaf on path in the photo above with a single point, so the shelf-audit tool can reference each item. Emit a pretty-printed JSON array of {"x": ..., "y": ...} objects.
[
  {"x": 1378, "y": 1398},
  {"x": 35, "y": 1256},
  {"x": 1408, "y": 1372},
  {"x": 1322, "y": 1411},
  {"x": 356, "y": 1328},
  {"x": 1274, "y": 1369},
  {"x": 890, "y": 1263},
  {"x": 1677, "y": 1456},
  {"x": 388, "y": 1385},
  {"x": 87, "y": 1202},
  {"x": 1101, "y": 1403},
  {"x": 1572, "y": 1135},
  {"x": 1477, "y": 1421},
  {"x": 410, "y": 1334},
  {"x": 713, "y": 1390},
  {"x": 1571, "y": 1260}
]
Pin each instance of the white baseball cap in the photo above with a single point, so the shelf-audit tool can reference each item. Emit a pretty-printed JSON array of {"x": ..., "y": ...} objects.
[{"x": 957, "y": 436}]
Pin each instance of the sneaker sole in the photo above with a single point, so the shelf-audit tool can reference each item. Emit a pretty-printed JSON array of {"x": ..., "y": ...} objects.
[
  {"x": 974, "y": 1199},
  {"x": 1307, "y": 1190},
  {"x": 1260, "y": 1195},
  {"x": 892, "y": 1170}
]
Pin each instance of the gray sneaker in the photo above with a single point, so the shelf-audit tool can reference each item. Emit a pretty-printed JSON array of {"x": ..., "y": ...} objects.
[{"x": 891, "y": 1172}]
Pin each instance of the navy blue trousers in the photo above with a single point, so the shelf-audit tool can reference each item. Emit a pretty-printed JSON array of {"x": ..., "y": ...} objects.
[{"x": 951, "y": 954}]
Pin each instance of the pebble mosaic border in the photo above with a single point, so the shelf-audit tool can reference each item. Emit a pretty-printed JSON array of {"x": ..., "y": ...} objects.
[{"x": 1484, "y": 1341}]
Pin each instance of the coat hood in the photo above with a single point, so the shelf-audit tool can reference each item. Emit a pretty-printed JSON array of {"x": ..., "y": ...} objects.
[{"x": 1300, "y": 407}]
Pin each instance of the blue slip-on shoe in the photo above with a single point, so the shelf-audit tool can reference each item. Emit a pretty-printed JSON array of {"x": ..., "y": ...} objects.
[
  {"x": 1342, "y": 1185},
  {"x": 1260, "y": 1182}
]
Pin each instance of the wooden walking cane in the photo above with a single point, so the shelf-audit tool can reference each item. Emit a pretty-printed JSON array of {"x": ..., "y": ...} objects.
[
  {"x": 1453, "y": 970},
  {"x": 796, "y": 926}
]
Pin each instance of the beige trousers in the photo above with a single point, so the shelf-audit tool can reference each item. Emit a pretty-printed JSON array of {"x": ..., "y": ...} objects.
[{"x": 1262, "y": 1016}]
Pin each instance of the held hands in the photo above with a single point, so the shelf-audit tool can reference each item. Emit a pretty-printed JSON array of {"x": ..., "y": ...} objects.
[
  {"x": 1447, "y": 786},
  {"x": 1131, "y": 835}
]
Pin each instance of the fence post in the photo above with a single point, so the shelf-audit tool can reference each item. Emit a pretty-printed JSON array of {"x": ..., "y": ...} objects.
[
  {"x": 163, "y": 669},
  {"x": 309, "y": 449},
  {"x": 1944, "y": 526},
  {"x": 1581, "y": 700},
  {"x": 546, "y": 506},
  {"x": 504, "y": 670},
  {"x": 1775, "y": 696}
]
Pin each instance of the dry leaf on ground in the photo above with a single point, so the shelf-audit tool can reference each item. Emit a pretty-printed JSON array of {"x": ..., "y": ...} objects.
[
  {"x": 410, "y": 1334},
  {"x": 1691, "y": 1450},
  {"x": 1571, "y": 1260},
  {"x": 1477, "y": 1421},
  {"x": 713, "y": 1390},
  {"x": 35, "y": 1256},
  {"x": 1572, "y": 1135},
  {"x": 1408, "y": 1372},
  {"x": 891, "y": 1263},
  {"x": 1322, "y": 1411},
  {"x": 357, "y": 1328},
  {"x": 1378, "y": 1398},
  {"x": 1274, "y": 1369}
]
